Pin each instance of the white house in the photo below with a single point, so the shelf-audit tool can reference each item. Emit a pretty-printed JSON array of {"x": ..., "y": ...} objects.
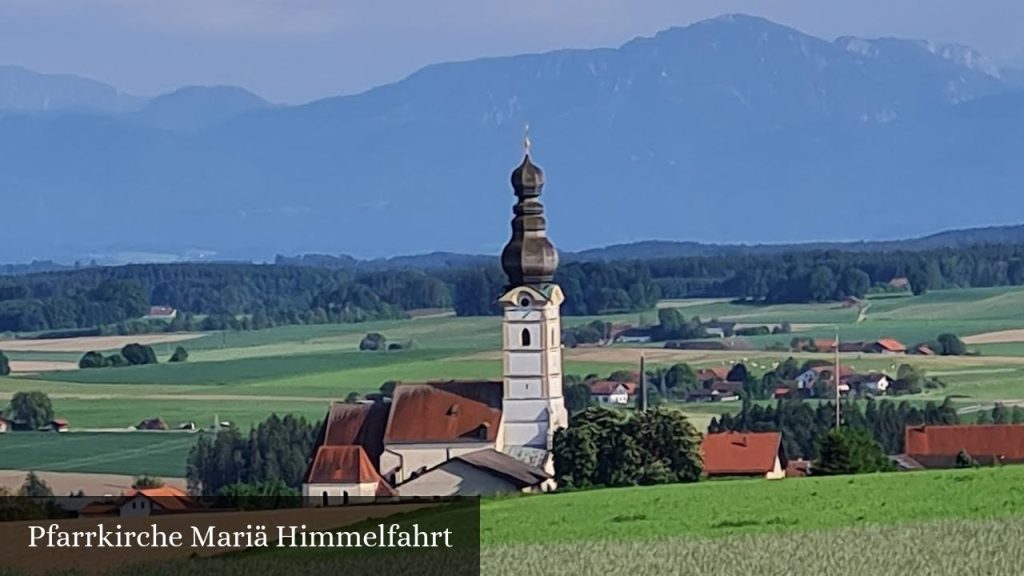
[
  {"x": 147, "y": 501},
  {"x": 611, "y": 392}
]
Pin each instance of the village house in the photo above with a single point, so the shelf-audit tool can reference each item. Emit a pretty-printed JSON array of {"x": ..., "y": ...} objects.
[
  {"x": 939, "y": 446},
  {"x": 161, "y": 313},
  {"x": 59, "y": 425},
  {"x": 735, "y": 454},
  {"x": 707, "y": 375},
  {"x": 433, "y": 433},
  {"x": 143, "y": 502},
  {"x": 874, "y": 383},
  {"x": 611, "y": 392},
  {"x": 805, "y": 380},
  {"x": 481, "y": 473}
]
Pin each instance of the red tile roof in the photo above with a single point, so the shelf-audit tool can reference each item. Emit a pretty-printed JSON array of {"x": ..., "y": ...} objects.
[
  {"x": 607, "y": 387},
  {"x": 891, "y": 345},
  {"x": 719, "y": 373},
  {"x": 437, "y": 413},
  {"x": 345, "y": 465},
  {"x": 168, "y": 497},
  {"x": 740, "y": 453},
  {"x": 1003, "y": 442},
  {"x": 825, "y": 344}
]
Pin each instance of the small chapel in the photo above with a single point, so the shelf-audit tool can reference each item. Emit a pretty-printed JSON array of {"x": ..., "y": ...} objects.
[{"x": 465, "y": 438}]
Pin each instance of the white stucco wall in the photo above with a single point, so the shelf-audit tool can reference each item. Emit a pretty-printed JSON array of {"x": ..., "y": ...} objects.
[{"x": 336, "y": 492}]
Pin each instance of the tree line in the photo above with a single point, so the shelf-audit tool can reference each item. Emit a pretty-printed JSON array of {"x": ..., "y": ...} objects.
[{"x": 251, "y": 296}]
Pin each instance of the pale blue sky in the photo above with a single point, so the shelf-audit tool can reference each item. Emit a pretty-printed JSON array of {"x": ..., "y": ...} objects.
[{"x": 298, "y": 50}]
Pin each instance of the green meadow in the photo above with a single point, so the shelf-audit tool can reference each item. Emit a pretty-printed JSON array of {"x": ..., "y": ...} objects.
[{"x": 245, "y": 376}]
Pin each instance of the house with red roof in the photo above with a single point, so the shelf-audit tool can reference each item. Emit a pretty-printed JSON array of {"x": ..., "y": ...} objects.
[
  {"x": 479, "y": 473},
  {"x": 749, "y": 454},
  {"x": 150, "y": 501},
  {"x": 612, "y": 392},
  {"x": 939, "y": 446}
]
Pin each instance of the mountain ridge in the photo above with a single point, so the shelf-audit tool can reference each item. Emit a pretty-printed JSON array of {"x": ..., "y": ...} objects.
[{"x": 733, "y": 130}]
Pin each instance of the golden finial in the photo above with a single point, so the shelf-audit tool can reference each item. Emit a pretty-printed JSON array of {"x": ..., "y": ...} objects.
[{"x": 526, "y": 138}]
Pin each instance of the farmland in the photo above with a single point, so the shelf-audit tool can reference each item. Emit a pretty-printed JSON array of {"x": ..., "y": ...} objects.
[{"x": 243, "y": 377}]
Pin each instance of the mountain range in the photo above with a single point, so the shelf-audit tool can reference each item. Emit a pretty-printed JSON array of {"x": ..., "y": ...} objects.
[{"x": 731, "y": 130}]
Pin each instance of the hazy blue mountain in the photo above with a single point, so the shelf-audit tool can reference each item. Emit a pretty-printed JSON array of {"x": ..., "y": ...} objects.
[
  {"x": 194, "y": 107},
  {"x": 731, "y": 130},
  {"x": 23, "y": 90}
]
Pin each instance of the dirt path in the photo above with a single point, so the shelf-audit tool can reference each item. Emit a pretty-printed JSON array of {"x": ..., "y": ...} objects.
[
  {"x": 64, "y": 483},
  {"x": 194, "y": 397},
  {"x": 87, "y": 343},
  {"x": 998, "y": 337}
]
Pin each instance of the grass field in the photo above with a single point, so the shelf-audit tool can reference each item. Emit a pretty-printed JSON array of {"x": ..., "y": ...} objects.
[
  {"x": 159, "y": 454},
  {"x": 245, "y": 376}
]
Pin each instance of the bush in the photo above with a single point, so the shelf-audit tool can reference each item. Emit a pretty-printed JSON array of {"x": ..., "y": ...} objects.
[
  {"x": 143, "y": 482},
  {"x": 139, "y": 354},
  {"x": 180, "y": 355},
  {"x": 850, "y": 451},
  {"x": 373, "y": 341},
  {"x": 5, "y": 365},
  {"x": 32, "y": 408},
  {"x": 92, "y": 359}
]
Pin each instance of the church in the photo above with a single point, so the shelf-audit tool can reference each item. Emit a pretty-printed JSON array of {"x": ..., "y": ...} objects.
[{"x": 465, "y": 438}]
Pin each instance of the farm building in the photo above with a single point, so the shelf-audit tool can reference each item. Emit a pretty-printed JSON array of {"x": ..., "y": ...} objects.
[
  {"x": 162, "y": 313},
  {"x": 886, "y": 346},
  {"x": 744, "y": 454},
  {"x": 5, "y": 425},
  {"x": 633, "y": 336},
  {"x": 939, "y": 446},
  {"x": 719, "y": 373},
  {"x": 707, "y": 395},
  {"x": 59, "y": 425},
  {"x": 873, "y": 383},
  {"x": 481, "y": 473},
  {"x": 611, "y": 392}
]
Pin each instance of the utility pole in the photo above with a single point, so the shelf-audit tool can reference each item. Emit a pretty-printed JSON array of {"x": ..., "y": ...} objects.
[
  {"x": 836, "y": 378},
  {"x": 643, "y": 385}
]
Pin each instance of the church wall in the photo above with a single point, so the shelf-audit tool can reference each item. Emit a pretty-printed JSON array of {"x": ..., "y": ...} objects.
[
  {"x": 336, "y": 492},
  {"x": 526, "y": 433},
  {"x": 456, "y": 479},
  {"x": 523, "y": 363},
  {"x": 524, "y": 388},
  {"x": 515, "y": 410}
]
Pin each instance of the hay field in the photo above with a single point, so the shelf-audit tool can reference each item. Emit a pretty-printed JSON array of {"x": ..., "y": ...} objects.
[{"x": 88, "y": 343}]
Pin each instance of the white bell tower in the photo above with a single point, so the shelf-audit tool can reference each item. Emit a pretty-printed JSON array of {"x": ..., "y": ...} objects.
[{"x": 533, "y": 407}]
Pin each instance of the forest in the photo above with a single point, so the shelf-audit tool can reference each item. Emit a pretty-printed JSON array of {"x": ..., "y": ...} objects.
[{"x": 253, "y": 296}]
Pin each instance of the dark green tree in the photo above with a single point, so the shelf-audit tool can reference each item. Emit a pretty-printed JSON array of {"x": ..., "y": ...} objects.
[
  {"x": 951, "y": 345},
  {"x": 5, "y": 365},
  {"x": 180, "y": 355},
  {"x": 34, "y": 409},
  {"x": 35, "y": 487},
  {"x": 849, "y": 451},
  {"x": 139, "y": 354},
  {"x": 373, "y": 341},
  {"x": 92, "y": 359}
]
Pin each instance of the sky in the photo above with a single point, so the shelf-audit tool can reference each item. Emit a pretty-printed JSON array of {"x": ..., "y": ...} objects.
[{"x": 294, "y": 51}]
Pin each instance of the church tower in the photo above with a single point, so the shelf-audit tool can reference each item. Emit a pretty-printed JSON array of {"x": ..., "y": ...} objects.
[{"x": 533, "y": 405}]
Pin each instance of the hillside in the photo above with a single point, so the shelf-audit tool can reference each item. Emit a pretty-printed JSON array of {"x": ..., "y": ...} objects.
[{"x": 731, "y": 130}]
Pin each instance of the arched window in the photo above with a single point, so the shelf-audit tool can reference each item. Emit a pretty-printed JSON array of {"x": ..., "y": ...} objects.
[
  {"x": 524, "y": 338},
  {"x": 324, "y": 498}
]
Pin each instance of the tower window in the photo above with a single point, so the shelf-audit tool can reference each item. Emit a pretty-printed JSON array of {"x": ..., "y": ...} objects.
[
  {"x": 524, "y": 301},
  {"x": 524, "y": 338}
]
